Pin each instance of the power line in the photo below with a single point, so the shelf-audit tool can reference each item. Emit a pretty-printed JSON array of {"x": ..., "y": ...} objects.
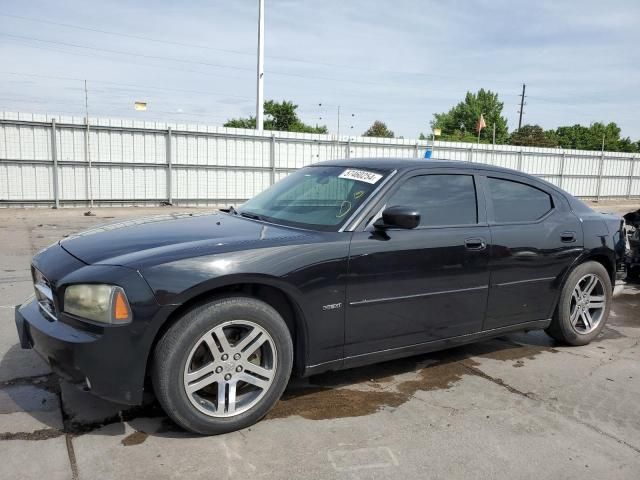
[
  {"x": 237, "y": 52},
  {"x": 99, "y": 108},
  {"x": 126, "y": 35},
  {"x": 303, "y": 108},
  {"x": 120, "y": 52},
  {"x": 180, "y": 60},
  {"x": 122, "y": 61},
  {"x": 141, "y": 87},
  {"x": 144, "y": 87}
]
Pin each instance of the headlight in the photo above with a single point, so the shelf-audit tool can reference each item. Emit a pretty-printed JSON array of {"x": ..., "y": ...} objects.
[{"x": 100, "y": 303}]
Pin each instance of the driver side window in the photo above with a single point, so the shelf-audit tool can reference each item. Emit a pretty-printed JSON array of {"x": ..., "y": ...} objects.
[{"x": 440, "y": 199}]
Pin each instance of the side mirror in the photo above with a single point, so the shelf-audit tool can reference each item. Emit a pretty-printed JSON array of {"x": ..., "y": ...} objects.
[{"x": 398, "y": 217}]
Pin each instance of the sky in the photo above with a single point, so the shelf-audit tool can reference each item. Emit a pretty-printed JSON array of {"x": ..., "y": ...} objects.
[{"x": 396, "y": 61}]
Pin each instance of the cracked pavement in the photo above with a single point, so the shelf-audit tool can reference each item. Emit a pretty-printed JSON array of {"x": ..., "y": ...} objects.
[{"x": 519, "y": 406}]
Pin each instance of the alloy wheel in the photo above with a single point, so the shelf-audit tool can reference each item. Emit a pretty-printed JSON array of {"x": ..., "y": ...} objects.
[
  {"x": 230, "y": 368},
  {"x": 588, "y": 302}
]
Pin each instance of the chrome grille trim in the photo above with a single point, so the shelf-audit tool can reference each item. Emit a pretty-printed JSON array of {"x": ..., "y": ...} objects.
[
  {"x": 44, "y": 294},
  {"x": 45, "y": 290}
]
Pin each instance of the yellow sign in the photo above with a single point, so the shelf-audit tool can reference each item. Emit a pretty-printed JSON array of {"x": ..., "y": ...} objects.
[
  {"x": 437, "y": 132},
  {"x": 140, "y": 106}
]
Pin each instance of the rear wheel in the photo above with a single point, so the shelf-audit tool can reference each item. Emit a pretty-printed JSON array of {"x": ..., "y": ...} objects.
[
  {"x": 584, "y": 305},
  {"x": 223, "y": 365}
]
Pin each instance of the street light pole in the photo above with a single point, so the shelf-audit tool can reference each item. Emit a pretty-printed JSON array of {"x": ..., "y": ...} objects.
[{"x": 260, "y": 72}]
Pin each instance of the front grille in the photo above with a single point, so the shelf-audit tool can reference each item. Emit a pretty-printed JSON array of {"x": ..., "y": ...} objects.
[{"x": 44, "y": 294}]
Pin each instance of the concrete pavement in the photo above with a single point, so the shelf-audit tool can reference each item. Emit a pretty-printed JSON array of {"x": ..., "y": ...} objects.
[{"x": 516, "y": 407}]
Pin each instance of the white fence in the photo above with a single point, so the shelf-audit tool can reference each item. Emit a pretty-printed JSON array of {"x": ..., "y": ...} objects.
[{"x": 132, "y": 162}]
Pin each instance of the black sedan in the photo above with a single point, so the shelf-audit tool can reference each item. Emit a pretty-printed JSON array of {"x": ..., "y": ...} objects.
[{"x": 340, "y": 264}]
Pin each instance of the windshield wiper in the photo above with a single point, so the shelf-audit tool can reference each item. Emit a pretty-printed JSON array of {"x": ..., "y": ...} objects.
[{"x": 253, "y": 216}]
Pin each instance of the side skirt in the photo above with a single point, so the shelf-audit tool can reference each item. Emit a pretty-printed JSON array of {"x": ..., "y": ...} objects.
[{"x": 419, "y": 348}]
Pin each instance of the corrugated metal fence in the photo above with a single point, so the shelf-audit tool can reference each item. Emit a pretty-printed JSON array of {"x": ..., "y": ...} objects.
[{"x": 132, "y": 162}]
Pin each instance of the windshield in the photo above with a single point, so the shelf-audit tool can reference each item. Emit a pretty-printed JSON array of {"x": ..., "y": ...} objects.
[{"x": 320, "y": 198}]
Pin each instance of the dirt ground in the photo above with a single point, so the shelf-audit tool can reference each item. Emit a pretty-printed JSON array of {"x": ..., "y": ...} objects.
[{"x": 520, "y": 406}]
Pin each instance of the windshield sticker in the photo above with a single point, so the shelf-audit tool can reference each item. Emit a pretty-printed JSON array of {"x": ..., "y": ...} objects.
[{"x": 360, "y": 175}]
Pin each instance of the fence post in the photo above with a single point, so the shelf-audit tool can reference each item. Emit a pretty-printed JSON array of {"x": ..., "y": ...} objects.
[
  {"x": 272, "y": 158},
  {"x": 415, "y": 150},
  {"x": 54, "y": 158},
  {"x": 562, "y": 160},
  {"x": 471, "y": 153},
  {"x": 631, "y": 171},
  {"x": 169, "y": 167},
  {"x": 348, "y": 147},
  {"x": 600, "y": 170},
  {"x": 87, "y": 152},
  {"x": 520, "y": 161}
]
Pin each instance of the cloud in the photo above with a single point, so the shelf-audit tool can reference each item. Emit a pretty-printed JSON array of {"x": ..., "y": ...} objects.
[{"x": 399, "y": 62}]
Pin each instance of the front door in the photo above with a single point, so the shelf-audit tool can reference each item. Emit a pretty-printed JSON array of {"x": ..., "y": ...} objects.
[{"x": 407, "y": 287}]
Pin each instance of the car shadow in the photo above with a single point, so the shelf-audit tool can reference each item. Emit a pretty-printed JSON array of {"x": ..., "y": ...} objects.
[{"x": 346, "y": 393}]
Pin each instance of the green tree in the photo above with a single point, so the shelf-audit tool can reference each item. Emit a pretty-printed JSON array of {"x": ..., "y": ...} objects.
[
  {"x": 459, "y": 123},
  {"x": 280, "y": 116},
  {"x": 533, "y": 136},
  {"x": 241, "y": 122},
  {"x": 591, "y": 137},
  {"x": 378, "y": 129}
]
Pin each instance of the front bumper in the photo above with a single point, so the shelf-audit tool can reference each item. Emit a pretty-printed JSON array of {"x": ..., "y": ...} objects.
[{"x": 104, "y": 357}]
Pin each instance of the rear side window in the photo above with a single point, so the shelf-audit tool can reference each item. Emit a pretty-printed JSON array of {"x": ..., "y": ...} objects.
[
  {"x": 517, "y": 202},
  {"x": 440, "y": 199}
]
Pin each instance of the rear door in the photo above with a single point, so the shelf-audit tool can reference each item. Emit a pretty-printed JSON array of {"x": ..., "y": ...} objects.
[
  {"x": 407, "y": 287},
  {"x": 535, "y": 239}
]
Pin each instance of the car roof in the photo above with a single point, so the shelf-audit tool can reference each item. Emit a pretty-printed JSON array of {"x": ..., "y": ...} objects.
[
  {"x": 411, "y": 164},
  {"x": 407, "y": 164}
]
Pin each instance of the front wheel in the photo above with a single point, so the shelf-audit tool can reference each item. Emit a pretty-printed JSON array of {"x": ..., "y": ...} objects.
[
  {"x": 223, "y": 365},
  {"x": 584, "y": 305}
]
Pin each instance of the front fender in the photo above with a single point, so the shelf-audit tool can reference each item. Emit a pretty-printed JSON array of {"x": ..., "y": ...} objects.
[{"x": 310, "y": 275}]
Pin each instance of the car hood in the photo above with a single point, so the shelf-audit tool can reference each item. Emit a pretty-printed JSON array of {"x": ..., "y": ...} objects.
[{"x": 165, "y": 238}]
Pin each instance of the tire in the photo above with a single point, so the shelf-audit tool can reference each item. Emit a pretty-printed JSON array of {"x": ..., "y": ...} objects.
[
  {"x": 570, "y": 324},
  {"x": 194, "y": 367}
]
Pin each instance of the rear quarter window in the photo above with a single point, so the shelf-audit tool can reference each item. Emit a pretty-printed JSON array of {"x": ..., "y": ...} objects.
[{"x": 517, "y": 202}]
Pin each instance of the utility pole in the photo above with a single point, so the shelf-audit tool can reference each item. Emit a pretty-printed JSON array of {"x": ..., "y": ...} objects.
[
  {"x": 260, "y": 73},
  {"x": 521, "y": 106}
]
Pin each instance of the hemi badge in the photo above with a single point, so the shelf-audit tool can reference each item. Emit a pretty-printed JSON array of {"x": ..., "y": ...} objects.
[{"x": 332, "y": 306}]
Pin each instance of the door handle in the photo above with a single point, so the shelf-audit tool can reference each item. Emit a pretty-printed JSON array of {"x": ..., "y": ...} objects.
[
  {"x": 568, "y": 237},
  {"x": 475, "y": 244}
]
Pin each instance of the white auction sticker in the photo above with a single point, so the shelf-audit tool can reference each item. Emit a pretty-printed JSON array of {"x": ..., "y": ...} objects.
[{"x": 360, "y": 175}]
